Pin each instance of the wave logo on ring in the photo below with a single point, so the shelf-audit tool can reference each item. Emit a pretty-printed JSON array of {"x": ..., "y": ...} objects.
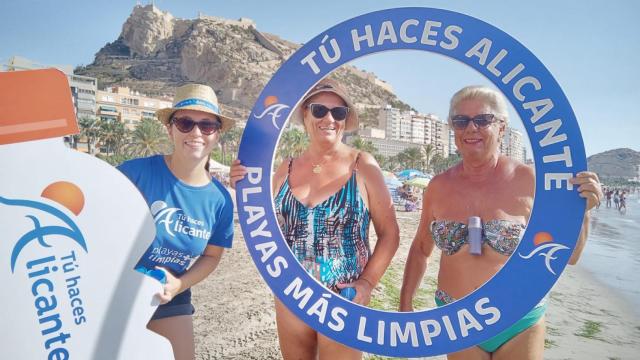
[
  {"x": 558, "y": 153},
  {"x": 545, "y": 248},
  {"x": 273, "y": 109},
  {"x": 53, "y": 275}
]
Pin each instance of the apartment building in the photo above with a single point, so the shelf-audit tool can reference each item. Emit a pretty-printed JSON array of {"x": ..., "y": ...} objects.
[{"x": 127, "y": 106}]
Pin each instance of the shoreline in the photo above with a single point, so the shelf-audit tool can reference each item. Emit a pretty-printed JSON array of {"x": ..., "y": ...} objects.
[
  {"x": 588, "y": 319},
  {"x": 235, "y": 318}
]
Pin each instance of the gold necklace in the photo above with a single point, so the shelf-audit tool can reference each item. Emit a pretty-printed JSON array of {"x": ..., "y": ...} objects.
[{"x": 317, "y": 168}]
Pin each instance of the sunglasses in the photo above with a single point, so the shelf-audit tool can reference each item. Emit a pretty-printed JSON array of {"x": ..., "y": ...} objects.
[
  {"x": 460, "y": 122},
  {"x": 339, "y": 113},
  {"x": 207, "y": 127}
]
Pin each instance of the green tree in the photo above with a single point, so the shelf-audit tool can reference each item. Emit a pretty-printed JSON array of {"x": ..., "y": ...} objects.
[
  {"x": 148, "y": 138},
  {"x": 427, "y": 156},
  {"x": 410, "y": 158},
  {"x": 364, "y": 145},
  {"x": 229, "y": 143},
  {"x": 292, "y": 143},
  {"x": 441, "y": 164},
  {"x": 89, "y": 131},
  {"x": 112, "y": 136}
]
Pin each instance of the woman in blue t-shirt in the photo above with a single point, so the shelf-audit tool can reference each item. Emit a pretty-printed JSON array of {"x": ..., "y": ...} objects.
[{"x": 193, "y": 213}]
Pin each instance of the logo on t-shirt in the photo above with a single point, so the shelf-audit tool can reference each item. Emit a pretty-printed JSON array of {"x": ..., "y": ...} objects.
[{"x": 176, "y": 221}]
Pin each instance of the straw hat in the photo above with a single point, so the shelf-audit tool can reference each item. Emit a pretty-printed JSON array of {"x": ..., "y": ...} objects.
[
  {"x": 195, "y": 97},
  {"x": 332, "y": 86}
]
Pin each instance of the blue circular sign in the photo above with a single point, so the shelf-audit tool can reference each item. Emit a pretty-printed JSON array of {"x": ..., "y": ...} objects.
[{"x": 553, "y": 227}]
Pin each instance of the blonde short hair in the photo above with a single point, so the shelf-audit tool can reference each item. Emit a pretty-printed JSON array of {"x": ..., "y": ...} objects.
[{"x": 493, "y": 98}]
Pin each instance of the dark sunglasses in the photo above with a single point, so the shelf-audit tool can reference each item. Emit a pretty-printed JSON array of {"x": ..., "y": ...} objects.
[
  {"x": 460, "y": 122},
  {"x": 339, "y": 113},
  {"x": 186, "y": 124}
]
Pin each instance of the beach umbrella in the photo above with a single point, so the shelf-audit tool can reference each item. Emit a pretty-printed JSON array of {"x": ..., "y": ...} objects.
[
  {"x": 420, "y": 182},
  {"x": 215, "y": 166},
  {"x": 410, "y": 173},
  {"x": 392, "y": 183}
]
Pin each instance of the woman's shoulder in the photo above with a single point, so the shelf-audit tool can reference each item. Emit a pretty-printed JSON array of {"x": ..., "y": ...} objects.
[
  {"x": 140, "y": 160},
  {"x": 139, "y": 165},
  {"x": 517, "y": 168},
  {"x": 365, "y": 163},
  {"x": 446, "y": 176},
  {"x": 283, "y": 168},
  {"x": 364, "y": 157},
  {"x": 281, "y": 172}
]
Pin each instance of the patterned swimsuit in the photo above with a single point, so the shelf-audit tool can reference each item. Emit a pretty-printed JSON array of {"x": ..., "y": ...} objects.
[
  {"x": 501, "y": 235},
  {"x": 331, "y": 239},
  {"x": 449, "y": 236}
]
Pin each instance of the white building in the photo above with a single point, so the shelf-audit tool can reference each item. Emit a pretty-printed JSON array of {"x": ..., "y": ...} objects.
[
  {"x": 404, "y": 129},
  {"x": 512, "y": 144}
]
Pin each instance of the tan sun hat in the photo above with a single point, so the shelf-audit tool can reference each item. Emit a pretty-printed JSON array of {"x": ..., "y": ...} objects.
[
  {"x": 195, "y": 97},
  {"x": 332, "y": 86}
]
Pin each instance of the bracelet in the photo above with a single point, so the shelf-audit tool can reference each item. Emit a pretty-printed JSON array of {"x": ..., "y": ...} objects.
[{"x": 369, "y": 282}]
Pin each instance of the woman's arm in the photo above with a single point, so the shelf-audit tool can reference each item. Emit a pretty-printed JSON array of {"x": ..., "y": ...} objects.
[
  {"x": 202, "y": 267},
  {"x": 589, "y": 188},
  {"x": 383, "y": 216},
  {"x": 420, "y": 250}
]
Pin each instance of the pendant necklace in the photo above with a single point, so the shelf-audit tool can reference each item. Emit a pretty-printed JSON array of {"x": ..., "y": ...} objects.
[{"x": 317, "y": 168}]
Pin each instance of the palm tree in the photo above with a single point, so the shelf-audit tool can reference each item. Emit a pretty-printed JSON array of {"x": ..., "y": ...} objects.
[
  {"x": 89, "y": 131},
  {"x": 440, "y": 163},
  {"x": 410, "y": 158},
  {"x": 112, "y": 136},
  {"x": 427, "y": 156},
  {"x": 363, "y": 145},
  {"x": 148, "y": 138},
  {"x": 292, "y": 143}
]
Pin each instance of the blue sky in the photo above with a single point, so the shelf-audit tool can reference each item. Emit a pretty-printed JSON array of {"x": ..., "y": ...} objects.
[{"x": 591, "y": 47}]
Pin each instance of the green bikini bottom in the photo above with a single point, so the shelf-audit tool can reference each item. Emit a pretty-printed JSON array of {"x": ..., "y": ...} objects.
[{"x": 521, "y": 325}]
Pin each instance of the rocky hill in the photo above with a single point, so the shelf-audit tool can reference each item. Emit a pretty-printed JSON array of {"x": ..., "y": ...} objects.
[
  {"x": 615, "y": 164},
  {"x": 157, "y": 52}
]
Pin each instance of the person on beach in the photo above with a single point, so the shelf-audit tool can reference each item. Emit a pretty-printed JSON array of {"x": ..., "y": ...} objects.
[
  {"x": 193, "y": 212},
  {"x": 499, "y": 191},
  {"x": 608, "y": 194},
  {"x": 623, "y": 202},
  {"x": 616, "y": 200},
  {"x": 324, "y": 200}
]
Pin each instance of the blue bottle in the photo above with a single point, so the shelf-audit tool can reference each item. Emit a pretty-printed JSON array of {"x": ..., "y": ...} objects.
[{"x": 348, "y": 293}]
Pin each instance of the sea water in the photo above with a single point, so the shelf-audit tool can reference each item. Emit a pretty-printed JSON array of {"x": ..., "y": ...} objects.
[{"x": 612, "y": 253}]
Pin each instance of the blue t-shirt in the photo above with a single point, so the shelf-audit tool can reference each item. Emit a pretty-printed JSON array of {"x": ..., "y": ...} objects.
[{"x": 188, "y": 218}]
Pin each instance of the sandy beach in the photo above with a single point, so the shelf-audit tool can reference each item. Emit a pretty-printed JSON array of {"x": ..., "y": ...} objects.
[{"x": 235, "y": 319}]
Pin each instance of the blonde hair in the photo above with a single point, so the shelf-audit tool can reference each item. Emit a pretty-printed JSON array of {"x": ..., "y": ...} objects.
[{"x": 493, "y": 98}]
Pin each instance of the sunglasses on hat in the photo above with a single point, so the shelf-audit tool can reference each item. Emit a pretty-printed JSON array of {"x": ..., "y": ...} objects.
[
  {"x": 460, "y": 122},
  {"x": 339, "y": 113},
  {"x": 186, "y": 124}
]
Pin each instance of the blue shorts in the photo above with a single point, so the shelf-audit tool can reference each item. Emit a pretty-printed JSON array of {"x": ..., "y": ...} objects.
[{"x": 178, "y": 306}]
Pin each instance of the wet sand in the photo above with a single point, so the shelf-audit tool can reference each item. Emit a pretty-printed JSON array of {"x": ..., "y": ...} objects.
[{"x": 235, "y": 319}]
